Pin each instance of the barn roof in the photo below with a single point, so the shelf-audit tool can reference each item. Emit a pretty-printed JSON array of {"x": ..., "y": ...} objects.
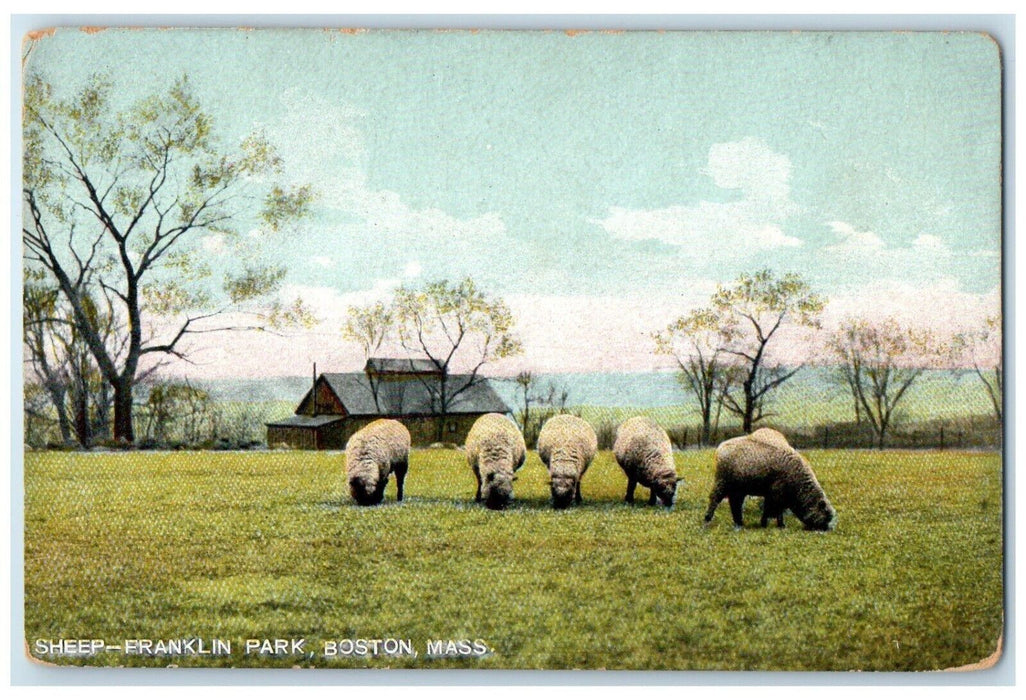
[
  {"x": 400, "y": 365},
  {"x": 304, "y": 421},
  {"x": 412, "y": 396}
]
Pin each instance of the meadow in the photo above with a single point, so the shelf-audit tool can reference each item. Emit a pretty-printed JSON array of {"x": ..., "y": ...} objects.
[{"x": 267, "y": 544}]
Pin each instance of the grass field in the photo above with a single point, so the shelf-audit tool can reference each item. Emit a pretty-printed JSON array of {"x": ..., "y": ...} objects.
[{"x": 253, "y": 545}]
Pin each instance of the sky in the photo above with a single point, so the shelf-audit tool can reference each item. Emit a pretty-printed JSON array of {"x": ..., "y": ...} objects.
[{"x": 602, "y": 183}]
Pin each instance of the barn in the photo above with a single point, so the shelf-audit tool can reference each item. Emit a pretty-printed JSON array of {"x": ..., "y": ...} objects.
[{"x": 408, "y": 390}]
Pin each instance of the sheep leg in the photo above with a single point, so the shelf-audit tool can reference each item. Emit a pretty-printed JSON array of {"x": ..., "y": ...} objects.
[
  {"x": 477, "y": 496},
  {"x": 400, "y": 477},
  {"x": 651, "y": 496},
  {"x": 769, "y": 510},
  {"x": 737, "y": 501},
  {"x": 631, "y": 485},
  {"x": 780, "y": 518},
  {"x": 715, "y": 497},
  {"x": 577, "y": 493}
]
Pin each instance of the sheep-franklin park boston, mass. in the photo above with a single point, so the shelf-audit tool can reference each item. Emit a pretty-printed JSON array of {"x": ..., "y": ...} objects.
[{"x": 359, "y": 359}]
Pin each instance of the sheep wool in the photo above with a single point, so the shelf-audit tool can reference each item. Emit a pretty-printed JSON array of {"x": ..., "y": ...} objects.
[
  {"x": 566, "y": 445},
  {"x": 372, "y": 453},
  {"x": 764, "y": 464},
  {"x": 644, "y": 452},
  {"x": 495, "y": 450}
]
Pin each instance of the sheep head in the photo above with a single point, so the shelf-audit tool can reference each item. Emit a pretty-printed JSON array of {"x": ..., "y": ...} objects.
[
  {"x": 563, "y": 490},
  {"x": 366, "y": 490},
  {"x": 665, "y": 489},
  {"x": 497, "y": 490}
]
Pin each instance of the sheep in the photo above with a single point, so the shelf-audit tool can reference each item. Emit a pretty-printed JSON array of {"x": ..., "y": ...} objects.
[
  {"x": 495, "y": 450},
  {"x": 372, "y": 453},
  {"x": 764, "y": 464},
  {"x": 566, "y": 445},
  {"x": 643, "y": 451}
]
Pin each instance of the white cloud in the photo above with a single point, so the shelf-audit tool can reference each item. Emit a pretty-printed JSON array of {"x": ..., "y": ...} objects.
[
  {"x": 213, "y": 244},
  {"x": 931, "y": 243},
  {"x": 722, "y": 229},
  {"x": 942, "y": 306},
  {"x": 849, "y": 239},
  {"x": 412, "y": 269},
  {"x": 856, "y": 254},
  {"x": 771, "y": 236},
  {"x": 316, "y": 137},
  {"x": 321, "y": 260},
  {"x": 752, "y": 167}
]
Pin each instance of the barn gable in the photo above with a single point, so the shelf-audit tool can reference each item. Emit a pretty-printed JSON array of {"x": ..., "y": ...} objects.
[{"x": 327, "y": 401}]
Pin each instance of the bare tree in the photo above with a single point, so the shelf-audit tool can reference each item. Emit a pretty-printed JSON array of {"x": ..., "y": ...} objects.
[
  {"x": 752, "y": 310},
  {"x": 115, "y": 204},
  {"x": 454, "y": 325},
  {"x": 883, "y": 361},
  {"x": 695, "y": 343},
  {"x": 980, "y": 350}
]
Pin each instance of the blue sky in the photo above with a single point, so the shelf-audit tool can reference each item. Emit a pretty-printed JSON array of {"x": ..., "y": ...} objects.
[{"x": 615, "y": 177}]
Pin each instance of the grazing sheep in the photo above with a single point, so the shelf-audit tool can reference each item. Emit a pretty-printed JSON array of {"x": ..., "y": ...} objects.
[
  {"x": 495, "y": 450},
  {"x": 374, "y": 452},
  {"x": 764, "y": 464},
  {"x": 566, "y": 444},
  {"x": 643, "y": 451}
]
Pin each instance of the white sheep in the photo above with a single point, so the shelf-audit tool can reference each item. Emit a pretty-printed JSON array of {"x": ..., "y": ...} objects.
[
  {"x": 644, "y": 452},
  {"x": 495, "y": 450},
  {"x": 372, "y": 453},
  {"x": 566, "y": 445}
]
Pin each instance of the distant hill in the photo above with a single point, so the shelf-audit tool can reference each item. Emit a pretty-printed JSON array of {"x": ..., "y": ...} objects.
[{"x": 812, "y": 396}]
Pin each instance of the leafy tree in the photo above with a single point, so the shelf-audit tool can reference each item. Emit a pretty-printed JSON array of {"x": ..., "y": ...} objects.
[
  {"x": 527, "y": 384},
  {"x": 61, "y": 362},
  {"x": 695, "y": 342},
  {"x": 369, "y": 326},
  {"x": 178, "y": 408},
  {"x": 980, "y": 349},
  {"x": 454, "y": 325},
  {"x": 882, "y": 360},
  {"x": 116, "y": 201},
  {"x": 41, "y": 323},
  {"x": 752, "y": 310}
]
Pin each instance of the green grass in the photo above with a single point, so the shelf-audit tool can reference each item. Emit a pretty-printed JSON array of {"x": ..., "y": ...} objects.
[{"x": 250, "y": 545}]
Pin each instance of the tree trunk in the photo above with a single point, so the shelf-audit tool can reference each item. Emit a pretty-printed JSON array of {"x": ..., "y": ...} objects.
[
  {"x": 747, "y": 421},
  {"x": 706, "y": 425},
  {"x": 123, "y": 412},
  {"x": 57, "y": 397},
  {"x": 82, "y": 426},
  {"x": 749, "y": 415}
]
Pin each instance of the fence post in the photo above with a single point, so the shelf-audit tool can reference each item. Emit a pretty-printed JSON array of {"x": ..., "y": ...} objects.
[
  {"x": 826, "y": 436},
  {"x": 942, "y": 437}
]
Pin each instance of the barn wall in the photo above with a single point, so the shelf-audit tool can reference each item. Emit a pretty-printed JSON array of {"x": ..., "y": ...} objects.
[
  {"x": 423, "y": 430},
  {"x": 294, "y": 437}
]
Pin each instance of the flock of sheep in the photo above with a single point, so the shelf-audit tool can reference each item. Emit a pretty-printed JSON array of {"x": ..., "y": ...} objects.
[{"x": 761, "y": 464}]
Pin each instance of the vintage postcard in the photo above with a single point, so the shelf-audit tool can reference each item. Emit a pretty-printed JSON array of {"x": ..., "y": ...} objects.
[{"x": 512, "y": 349}]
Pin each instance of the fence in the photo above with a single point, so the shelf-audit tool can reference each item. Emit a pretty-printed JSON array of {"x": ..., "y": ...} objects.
[{"x": 969, "y": 432}]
